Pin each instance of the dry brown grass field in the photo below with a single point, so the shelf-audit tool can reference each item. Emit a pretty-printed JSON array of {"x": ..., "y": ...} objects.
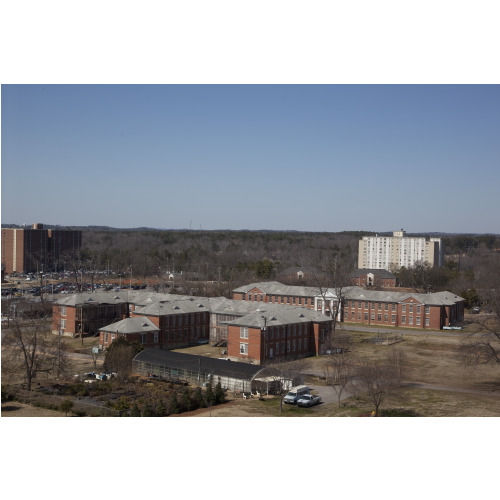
[{"x": 447, "y": 389}]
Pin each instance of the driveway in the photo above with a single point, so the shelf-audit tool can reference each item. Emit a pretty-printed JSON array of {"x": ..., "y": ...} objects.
[{"x": 328, "y": 394}]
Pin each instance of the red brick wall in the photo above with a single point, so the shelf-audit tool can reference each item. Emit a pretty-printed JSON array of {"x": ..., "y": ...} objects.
[
  {"x": 70, "y": 318},
  {"x": 184, "y": 332},
  {"x": 438, "y": 316},
  {"x": 257, "y": 344},
  {"x": 131, "y": 337}
]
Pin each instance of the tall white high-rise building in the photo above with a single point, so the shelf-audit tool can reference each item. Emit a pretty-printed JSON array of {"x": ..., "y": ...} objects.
[{"x": 393, "y": 252}]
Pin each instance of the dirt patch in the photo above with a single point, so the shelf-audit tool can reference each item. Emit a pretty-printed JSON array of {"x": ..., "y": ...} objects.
[{"x": 16, "y": 409}]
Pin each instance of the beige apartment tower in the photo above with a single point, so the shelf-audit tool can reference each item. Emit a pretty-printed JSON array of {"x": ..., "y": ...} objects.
[{"x": 396, "y": 251}]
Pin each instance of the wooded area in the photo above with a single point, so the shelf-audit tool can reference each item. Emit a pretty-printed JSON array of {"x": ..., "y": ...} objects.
[{"x": 239, "y": 257}]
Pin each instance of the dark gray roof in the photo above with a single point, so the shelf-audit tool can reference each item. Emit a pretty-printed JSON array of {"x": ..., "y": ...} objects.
[
  {"x": 436, "y": 299},
  {"x": 277, "y": 288},
  {"x": 93, "y": 299},
  {"x": 217, "y": 367},
  {"x": 131, "y": 325},
  {"x": 183, "y": 306},
  {"x": 280, "y": 315}
]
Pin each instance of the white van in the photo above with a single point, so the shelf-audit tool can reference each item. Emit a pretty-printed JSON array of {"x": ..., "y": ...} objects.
[{"x": 296, "y": 393}]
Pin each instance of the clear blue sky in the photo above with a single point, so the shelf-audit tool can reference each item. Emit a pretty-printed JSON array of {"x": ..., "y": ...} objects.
[{"x": 304, "y": 157}]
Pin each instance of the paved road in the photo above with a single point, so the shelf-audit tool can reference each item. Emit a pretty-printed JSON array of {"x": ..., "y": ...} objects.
[
  {"x": 403, "y": 332},
  {"x": 328, "y": 394},
  {"x": 432, "y": 387}
]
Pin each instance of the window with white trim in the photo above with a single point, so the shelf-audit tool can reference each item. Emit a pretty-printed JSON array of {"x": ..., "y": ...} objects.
[
  {"x": 63, "y": 310},
  {"x": 243, "y": 332},
  {"x": 63, "y": 324},
  {"x": 243, "y": 348}
]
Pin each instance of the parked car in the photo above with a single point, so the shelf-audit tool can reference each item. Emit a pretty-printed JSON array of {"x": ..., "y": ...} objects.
[
  {"x": 308, "y": 400},
  {"x": 296, "y": 393},
  {"x": 476, "y": 310}
]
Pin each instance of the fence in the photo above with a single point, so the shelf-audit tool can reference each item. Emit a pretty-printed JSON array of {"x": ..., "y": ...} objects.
[{"x": 387, "y": 339}]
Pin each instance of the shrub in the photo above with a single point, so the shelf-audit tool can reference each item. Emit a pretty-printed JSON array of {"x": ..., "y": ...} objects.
[
  {"x": 122, "y": 404},
  {"x": 160, "y": 410},
  {"x": 146, "y": 411},
  {"x": 7, "y": 395},
  {"x": 66, "y": 406},
  {"x": 135, "y": 412}
]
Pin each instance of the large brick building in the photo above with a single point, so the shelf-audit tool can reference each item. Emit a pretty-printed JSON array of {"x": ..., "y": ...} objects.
[
  {"x": 141, "y": 330},
  {"x": 181, "y": 323},
  {"x": 85, "y": 313},
  {"x": 378, "y": 278},
  {"x": 166, "y": 321},
  {"x": 35, "y": 249},
  {"x": 273, "y": 292},
  {"x": 278, "y": 333},
  {"x": 370, "y": 307},
  {"x": 403, "y": 309}
]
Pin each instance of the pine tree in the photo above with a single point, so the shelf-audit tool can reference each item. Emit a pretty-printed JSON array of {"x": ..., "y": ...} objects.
[
  {"x": 219, "y": 395},
  {"x": 173, "y": 405},
  {"x": 209, "y": 395},
  {"x": 198, "y": 401},
  {"x": 186, "y": 400},
  {"x": 160, "y": 410}
]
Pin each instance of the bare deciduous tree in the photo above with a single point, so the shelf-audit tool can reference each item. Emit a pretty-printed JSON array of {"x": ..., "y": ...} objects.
[
  {"x": 339, "y": 371},
  {"x": 118, "y": 357},
  {"x": 333, "y": 280},
  {"x": 482, "y": 346},
  {"x": 30, "y": 347},
  {"x": 378, "y": 380}
]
